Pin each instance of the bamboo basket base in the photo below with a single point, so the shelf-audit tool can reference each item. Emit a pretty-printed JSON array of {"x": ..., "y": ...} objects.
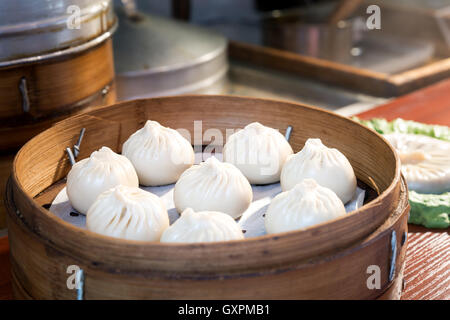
[
  {"x": 28, "y": 275},
  {"x": 393, "y": 292}
]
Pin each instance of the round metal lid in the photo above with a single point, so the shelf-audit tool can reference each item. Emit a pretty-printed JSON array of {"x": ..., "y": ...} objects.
[
  {"x": 155, "y": 56},
  {"x": 34, "y": 29},
  {"x": 146, "y": 44}
]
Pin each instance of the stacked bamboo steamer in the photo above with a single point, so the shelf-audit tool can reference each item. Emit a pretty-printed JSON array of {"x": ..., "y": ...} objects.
[{"x": 55, "y": 60}]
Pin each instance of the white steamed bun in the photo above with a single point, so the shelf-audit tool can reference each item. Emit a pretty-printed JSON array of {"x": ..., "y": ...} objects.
[
  {"x": 213, "y": 186},
  {"x": 103, "y": 170},
  {"x": 159, "y": 154},
  {"x": 305, "y": 205},
  {"x": 425, "y": 161},
  {"x": 328, "y": 166},
  {"x": 205, "y": 226},
  {"x": 128, "y": 213},
  {"x": 259, "y": 152}
]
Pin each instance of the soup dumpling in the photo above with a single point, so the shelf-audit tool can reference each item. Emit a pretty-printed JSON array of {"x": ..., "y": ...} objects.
[
  {"x": 128, "y": 213},
  {"x": 328, "y": 166},
  {"x": 204, "y": 226},
  {"x": 213, "y": 186},
  {"x": 259, "y": 152},
  {"x": 159, "y": 154},
  {"x": 103, "y": 170},
  {"x": 305, "y": 205}
]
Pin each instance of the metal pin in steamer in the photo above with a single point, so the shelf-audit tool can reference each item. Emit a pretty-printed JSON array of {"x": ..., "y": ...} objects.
[
  {"x": 288, "y": 133},
  {"x": 76, "y": 148}
]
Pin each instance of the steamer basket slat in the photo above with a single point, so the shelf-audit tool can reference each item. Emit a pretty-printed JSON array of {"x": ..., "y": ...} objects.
[{"x": 324, "y": 261}]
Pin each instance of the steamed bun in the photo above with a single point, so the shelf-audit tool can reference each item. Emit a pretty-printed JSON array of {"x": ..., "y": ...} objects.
[
  {"x": 103, "y": 170},
  {"x": 259, "y": 152},
  {"x": 159, "y": 154},
  {"x": 305, "y": 205},
  {"x": 128, "y": 213},
  {"x": 204, "y": 226},
  {"x": 328, "y": 166},
  {"x": 213, "y": 186}
]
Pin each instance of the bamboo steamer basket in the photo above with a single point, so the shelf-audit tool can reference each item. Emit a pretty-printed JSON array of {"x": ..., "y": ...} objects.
[
  {"x": 326, "y": 261},
  {"x": 49, "y": 70}
]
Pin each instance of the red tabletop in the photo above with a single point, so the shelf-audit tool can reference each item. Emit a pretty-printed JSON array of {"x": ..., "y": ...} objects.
[{"x": 429, "y": 105}]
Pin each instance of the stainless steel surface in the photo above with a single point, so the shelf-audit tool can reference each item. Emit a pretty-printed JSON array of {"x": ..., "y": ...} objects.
[
  {"x": 253, "y": 81},
  {"x": 418, "y": 20},
  {"x": 250, "y": 80},
  {"x": 343, "y": 10},
  {"x": 156, "y": 56},
  {"x": 391, "y": 54},
  {"x": 306, "y": 31},
  {"x": 33, "y": 30},
  {"x": 374, "y": 50}
]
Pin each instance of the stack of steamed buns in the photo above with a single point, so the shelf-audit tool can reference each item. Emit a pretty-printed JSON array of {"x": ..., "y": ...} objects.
[{"x": 316, "y": 183}]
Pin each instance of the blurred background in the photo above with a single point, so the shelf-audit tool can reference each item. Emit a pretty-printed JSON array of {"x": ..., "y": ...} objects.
[{"x": 318, "y": 52}]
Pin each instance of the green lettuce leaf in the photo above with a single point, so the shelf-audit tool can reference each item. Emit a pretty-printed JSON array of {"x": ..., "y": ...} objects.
[
  {"x": 430, "y": 210},
  {"x": 406, "y": 126}
]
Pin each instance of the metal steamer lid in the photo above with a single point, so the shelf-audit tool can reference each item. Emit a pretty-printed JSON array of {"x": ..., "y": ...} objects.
[
  {"x": 35, "y": 30},
  {"x": 155, "y": 56}
]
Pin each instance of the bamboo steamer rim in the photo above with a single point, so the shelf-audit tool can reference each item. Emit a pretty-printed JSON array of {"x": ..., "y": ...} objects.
[
  {"x": 38, "y": 32},
  {"x": 148, "y": 246},
  {"x": 64, "y": 52}
]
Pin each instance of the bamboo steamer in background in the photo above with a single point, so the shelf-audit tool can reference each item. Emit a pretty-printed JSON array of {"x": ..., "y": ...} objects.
[
  {"x": 51, "y": 66},
  {"x": 333, "y": 260}
]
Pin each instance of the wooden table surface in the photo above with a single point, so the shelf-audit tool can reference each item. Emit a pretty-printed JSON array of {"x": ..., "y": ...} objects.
[{"x": 427, "y": 272}]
